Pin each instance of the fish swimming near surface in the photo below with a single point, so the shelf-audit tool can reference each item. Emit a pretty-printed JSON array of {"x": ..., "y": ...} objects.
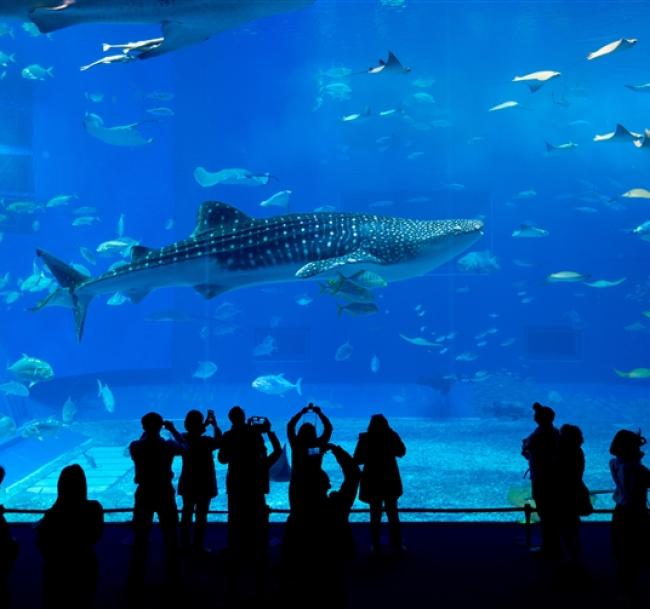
[
  {"x": 618, "y": 45},
  {"x": 565, "y": 146},
  {"x": 391, "y": 65},
  {"x": 119, "y": 135},
  {"x": 234, "y": 176},
  {"x": 637, "y": 373},
  {"x": 229, "y": 249},
  {"x": 183, "y": 22},
  {"x": 536, "y": 80},
  {"x": 620, "y": 134}
]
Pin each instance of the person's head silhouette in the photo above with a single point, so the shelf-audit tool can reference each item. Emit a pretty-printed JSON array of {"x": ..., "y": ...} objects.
[
  {"x": 307, "y": 434},
  {"x": 237, "y": 415},
  {"x": 627, "y": 444},
  {"x": 378, "y": 424},
  {"x": 194, "y": 422},
  {"x": 152, "y": 423},
  {"x": 544, "y": 416},
  {"x": 571, "y": 436},
  {"x": 72, "y": 488}
]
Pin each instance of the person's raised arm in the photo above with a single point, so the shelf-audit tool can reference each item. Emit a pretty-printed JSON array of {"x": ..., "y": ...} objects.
[
  {"x": 351, "y": 474},
  {"x": 217, "y": 434},
  {"x": 179, "y": 444},
  {"x": 291, "y": 426},
  {"x": 275, "y": 445},
  {"x": 326, "y": 436}
]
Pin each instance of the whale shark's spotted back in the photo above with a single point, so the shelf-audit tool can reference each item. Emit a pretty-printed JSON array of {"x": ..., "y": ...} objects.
[{"x": 228, "y": 249}]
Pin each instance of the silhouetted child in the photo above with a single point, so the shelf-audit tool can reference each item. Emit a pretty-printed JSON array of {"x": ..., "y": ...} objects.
[
  {"x": 574, "y": 500},
  {"x": 153, "y": 456},
  {"x": 244, "y": 451},
  {"x": 307, "y": 450},
  {"x": 631, "y": 520},
  {"x": 8, "y": 553},
  {"x": 198, "y": 480},
  {"x": 318, "y": 540},
  {"x": 541, "y": 449},
  {"x": 381, "y": 485},
  {"x": 66, "y": 537}
]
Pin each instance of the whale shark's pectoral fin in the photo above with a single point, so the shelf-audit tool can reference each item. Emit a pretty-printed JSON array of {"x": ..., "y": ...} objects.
[
  {"x": 136, "y": 296},
  {"x": 177, "y": 34},
  {"x": 329, "y": 264},
  {"x": 209, "y": 290}
]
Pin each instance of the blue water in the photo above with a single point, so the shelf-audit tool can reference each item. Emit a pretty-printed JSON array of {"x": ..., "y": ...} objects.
[{"x": 249, "y": 97}]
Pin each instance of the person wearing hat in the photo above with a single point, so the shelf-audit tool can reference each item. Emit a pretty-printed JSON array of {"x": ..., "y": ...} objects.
[{"x": 541, "y": 449}]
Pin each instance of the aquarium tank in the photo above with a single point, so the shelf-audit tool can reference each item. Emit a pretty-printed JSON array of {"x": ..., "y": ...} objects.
[{"x": 438, "y": 211}]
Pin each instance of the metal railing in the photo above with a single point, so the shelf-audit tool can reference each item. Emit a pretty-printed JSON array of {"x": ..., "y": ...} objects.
[{"x": 527, "y": 510}]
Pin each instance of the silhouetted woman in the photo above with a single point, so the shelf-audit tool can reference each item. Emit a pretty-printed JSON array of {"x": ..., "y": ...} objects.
[
  {"x": 66, "y": 536},
  {"x": 574, "y": 497},
  {"x": 307, "y": 450},
  {"x": 631, "y": 520},
  {"x": 541, "y": 449},
  {"x": 198, "y": 480},
  {"x": 381, "y": 485}
]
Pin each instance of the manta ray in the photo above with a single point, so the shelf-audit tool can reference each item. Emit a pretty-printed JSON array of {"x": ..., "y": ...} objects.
[
  {"x": 183, "y": 22},
  {"x": 229, "y": 249}
]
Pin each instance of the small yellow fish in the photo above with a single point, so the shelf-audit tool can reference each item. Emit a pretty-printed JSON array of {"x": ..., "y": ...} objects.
[{"x": 637, "y": 373}]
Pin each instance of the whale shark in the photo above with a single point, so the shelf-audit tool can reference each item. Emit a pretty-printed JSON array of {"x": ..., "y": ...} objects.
[
  {"x": 183, "y": 22},
  {"x": 229, "y": 249}
]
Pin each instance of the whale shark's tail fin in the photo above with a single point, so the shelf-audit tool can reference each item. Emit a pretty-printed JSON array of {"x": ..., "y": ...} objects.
[{"x": 69, "y": 279}]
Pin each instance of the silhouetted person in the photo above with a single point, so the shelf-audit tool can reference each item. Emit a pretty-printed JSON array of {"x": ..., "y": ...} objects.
[
  {"x": 541, "y": 448},
  {"x": 66, "y": 536},
  {"x": 573, "y": 494},
  {"x": 247, "y": 483},
  {"x": 153, "y": 456},
  {"x": 381, "y": 485},
  {"x": 631, "y": 520},
  {"x": 198, "y": 480},
  {"x": 8, "y": 553},
  {"x": 307, "y": 450},
  {"x": 318, "y": 541}
]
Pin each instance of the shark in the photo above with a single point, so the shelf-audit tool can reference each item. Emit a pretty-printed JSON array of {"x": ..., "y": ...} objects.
[
  {"x": 229, "y": 249},
  {"x": 183, "y": 22}
]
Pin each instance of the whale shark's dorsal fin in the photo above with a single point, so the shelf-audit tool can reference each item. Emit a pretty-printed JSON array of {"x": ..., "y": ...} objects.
[
  {"x": 139, "y": 252},
  {"x": 214, "y": 214}
]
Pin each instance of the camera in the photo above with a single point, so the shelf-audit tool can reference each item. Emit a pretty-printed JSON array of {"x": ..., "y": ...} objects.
[{"x": 260, "y": 424}]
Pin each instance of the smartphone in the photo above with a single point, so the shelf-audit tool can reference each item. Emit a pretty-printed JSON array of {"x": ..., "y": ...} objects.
[{"x": 313, "y": 452}]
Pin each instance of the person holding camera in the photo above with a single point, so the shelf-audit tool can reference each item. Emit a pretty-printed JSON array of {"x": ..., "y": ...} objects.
[
  {"x": 243, "y": 449},
  {"x": 307, "y": 450},
  {"x": 381, "y": 485},
  {"x": 318, "y": 540},
  {"x": 153, "y": 456},
  {"x": 197, "y": 484}
]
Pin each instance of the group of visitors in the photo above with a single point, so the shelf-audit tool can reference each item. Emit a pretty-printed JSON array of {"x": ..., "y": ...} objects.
[
  {"x": 557, "y": 464},
  {"x": 317, "y": 541}
]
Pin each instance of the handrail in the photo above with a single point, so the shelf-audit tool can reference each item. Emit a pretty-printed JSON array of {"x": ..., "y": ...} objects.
[{"x": 527, "y": 510}]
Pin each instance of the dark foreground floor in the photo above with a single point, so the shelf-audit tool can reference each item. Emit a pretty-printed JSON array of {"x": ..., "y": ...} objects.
[{"x": 446, "y": 566}]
